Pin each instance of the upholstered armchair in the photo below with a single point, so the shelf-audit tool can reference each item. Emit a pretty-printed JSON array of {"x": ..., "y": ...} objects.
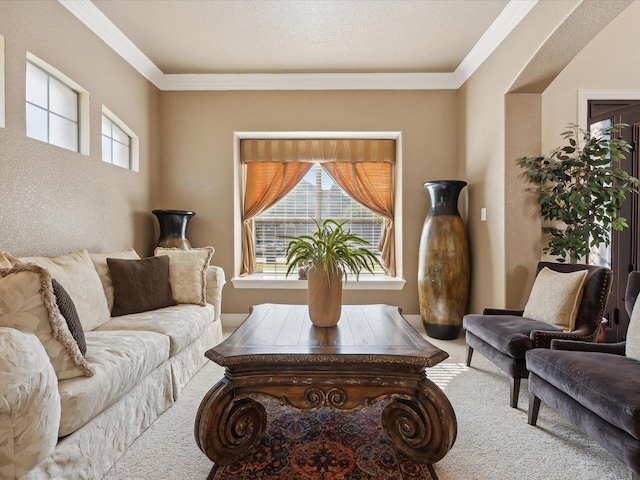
[
  {"x": 596, "y": 386},
  {"x": 568, "y": 306}
]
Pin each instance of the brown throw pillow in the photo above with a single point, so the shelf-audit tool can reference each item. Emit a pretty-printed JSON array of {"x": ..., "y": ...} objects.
[
  {"x": 140, "y": 285},
  {"x": 68, "y": 311}
]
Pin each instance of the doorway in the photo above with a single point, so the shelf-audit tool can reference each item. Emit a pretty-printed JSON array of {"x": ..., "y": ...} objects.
[{"x": 622, "y": 254}]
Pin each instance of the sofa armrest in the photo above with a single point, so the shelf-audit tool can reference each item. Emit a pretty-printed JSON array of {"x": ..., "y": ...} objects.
[
  {"x": 543, "y": 338},
  {"x": 502, "y": 311},
  {"x": 215, "y": 282},
  {"x": 614, "y": 348},
  {"x": 29, "y": 403}
]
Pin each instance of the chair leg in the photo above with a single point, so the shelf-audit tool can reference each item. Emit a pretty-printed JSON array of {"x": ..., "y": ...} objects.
[
  {"x": 515, "y": 392},
  {"x": 469, "y": 355},
  {"x": 534, "y": 408}
]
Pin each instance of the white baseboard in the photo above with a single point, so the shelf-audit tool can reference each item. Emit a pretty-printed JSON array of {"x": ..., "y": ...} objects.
[{"x": 231, "y": 321}]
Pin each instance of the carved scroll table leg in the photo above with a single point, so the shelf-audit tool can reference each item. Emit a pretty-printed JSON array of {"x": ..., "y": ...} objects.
[
  {"x": 227, "y": 430},
  {"x": 423, "y": 428}
]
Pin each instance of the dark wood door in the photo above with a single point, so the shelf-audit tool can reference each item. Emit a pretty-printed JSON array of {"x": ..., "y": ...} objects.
[{"x": 622, "y": 256}]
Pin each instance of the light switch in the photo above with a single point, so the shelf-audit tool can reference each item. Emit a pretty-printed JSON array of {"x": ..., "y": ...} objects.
[{"x": 483, "y": 214}]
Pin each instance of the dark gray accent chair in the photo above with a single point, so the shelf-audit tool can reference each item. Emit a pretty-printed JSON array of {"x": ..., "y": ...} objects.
[
  {"x": 594, "y": 386},
  {"x": 504, "y": 336}
]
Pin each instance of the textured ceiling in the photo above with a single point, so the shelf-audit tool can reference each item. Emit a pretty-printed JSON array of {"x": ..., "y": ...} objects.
[{"x": 303, "y": 36}]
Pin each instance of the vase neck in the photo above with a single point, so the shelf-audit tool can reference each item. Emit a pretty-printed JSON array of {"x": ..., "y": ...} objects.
[{"x": 444, "y": 196}]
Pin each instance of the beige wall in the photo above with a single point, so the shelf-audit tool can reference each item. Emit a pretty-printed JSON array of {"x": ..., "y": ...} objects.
[
  {"x": 54, "y": 200},
  {"x": 502, "y": 127},
  {"x": 607, "y": 63},
  {"x": 498, "y": 253},
  {"x": 198, "y": 163}
]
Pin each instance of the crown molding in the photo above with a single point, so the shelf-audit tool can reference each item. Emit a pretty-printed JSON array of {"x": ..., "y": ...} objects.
[
  {"x": 92, "y": 17},
  {"x": 309, "y": 81},
  {"x": 509, "y": 18},
  {"x": 99, "y": 23}
]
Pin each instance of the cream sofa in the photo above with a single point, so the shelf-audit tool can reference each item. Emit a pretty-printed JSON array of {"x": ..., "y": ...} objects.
[{"x": 61, "y": 420}]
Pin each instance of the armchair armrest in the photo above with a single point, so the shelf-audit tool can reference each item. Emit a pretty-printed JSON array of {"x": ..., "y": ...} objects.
[
  {"x": 543, "y": 338},
  {"x": 215, "y": 282},
  {"x": 29, "y": 403},
  {"x": 614, "y": 348},
  {"x": 502, "y": 311}
]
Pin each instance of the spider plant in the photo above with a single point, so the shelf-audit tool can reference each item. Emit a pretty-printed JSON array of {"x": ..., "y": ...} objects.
[{"x": 333, "y": 247}]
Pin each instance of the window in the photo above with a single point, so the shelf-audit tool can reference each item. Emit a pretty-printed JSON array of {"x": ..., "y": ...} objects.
[
  {"x": 600, "y": 254},
  {"x": 52, "y": 109},
  {"x": 116, "y": 144},
  {"x": 119, "y": 143},
  {"x": 316, "y": 197},
  {"x": 273, "y": 170}
]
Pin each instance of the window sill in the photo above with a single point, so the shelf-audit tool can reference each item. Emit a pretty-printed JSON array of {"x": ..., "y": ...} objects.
[{"x": 273, "y": 282}]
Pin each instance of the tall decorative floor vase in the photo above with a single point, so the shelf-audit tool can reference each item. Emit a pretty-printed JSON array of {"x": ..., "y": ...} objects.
[
  {"x": 443, "y": 270},
  {"x": 173, "y": 228}
]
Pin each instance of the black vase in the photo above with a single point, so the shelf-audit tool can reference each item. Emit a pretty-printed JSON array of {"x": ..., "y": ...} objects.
[
  {"x": 173, "y": 228},
  {"x": 443, "y": 270}
]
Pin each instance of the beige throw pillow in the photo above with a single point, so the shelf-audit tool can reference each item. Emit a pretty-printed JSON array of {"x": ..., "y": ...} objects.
[
  {"x": 28, "y": 304},
  {"x": 100, "y": 263},
  {"x": 632, "y": 345},
  {"x": 78, "y": 276},
  {"x": 555, "y": 298},
  {"x": 188, "y": 273}
]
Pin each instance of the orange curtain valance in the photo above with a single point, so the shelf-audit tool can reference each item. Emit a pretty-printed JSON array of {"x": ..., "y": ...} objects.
[{"x": 318, "y": 150}]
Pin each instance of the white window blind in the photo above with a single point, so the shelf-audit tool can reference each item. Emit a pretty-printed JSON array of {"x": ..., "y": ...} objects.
[{"x": 317, "y": 197}]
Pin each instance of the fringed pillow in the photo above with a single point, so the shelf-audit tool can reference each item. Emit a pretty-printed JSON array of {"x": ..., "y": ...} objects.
[
  {"x": 28, "y": 304},
  {"x": 188, "y": 273}
]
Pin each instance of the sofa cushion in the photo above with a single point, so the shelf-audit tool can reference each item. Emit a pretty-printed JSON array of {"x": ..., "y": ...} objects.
[
  {"x": 604, "y": 383},
  {"x": 555, "y": 298},
  {"x": 182, "y": 323},
  {"x": 120, "y": 361},
  {"x": 70, "y": 314},
  {"x": 140, "y": 285},
  {"x": 507, "y": 333},
  {"x": 100, "y": 263},
  {"x": 28, "y": 304},
  {"x": 188, "y": 273},
  {"x": 78, "y": 276}
]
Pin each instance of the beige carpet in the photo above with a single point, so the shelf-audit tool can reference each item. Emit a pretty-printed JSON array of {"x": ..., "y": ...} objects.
[{"x": 494, "y": 441}]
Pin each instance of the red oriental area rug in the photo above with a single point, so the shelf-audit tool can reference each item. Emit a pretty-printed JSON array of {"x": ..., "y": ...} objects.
[{"x": 324, "y": 445}]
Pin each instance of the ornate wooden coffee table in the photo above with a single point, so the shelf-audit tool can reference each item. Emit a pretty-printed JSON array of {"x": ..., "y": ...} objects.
[{"x": 372, "y": 354}]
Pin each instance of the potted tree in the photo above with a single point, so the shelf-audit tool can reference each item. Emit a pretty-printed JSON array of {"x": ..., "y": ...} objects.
[
  {"x": 581, "y": 188},
  {"x": 330, "y": 253}
]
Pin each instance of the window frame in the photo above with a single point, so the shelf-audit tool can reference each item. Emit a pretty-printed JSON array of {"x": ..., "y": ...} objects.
[
  {"x": 266, "y": 281},
  {"x": 134, "y": 142},
  {"x": 83, "y": 103}
]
